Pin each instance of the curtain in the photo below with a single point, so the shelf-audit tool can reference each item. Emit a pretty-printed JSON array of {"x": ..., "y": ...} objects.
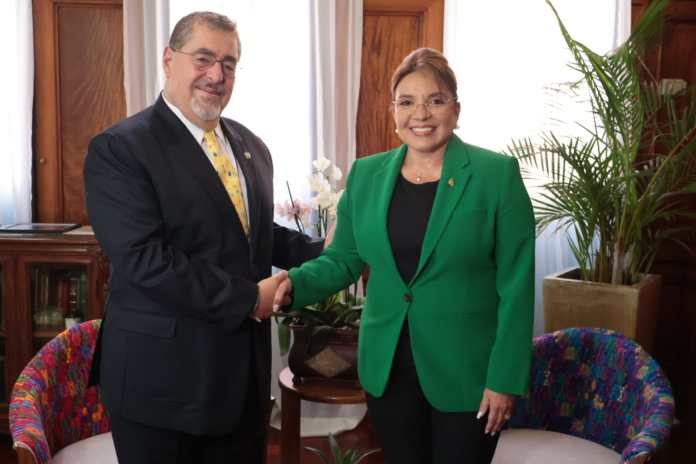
[
  {"x": 336, "y": 52},
  {"x": 509, "y": 57},
  {"x": 145, "y": 34},
  {"x": 16, "y": 114}
]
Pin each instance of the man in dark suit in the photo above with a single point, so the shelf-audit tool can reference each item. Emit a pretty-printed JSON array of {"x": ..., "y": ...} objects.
[{"x": 181, "y": 200}]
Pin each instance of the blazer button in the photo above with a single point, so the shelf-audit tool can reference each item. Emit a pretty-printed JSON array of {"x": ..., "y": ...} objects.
[{"x": 408, "y": 298}]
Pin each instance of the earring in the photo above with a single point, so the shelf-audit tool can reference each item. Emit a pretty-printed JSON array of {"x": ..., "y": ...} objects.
[{"x": 396, "y": 131}]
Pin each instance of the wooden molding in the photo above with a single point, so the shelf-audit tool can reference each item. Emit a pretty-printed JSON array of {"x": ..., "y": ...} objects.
[
  {"x": 431, "y": 11},
  {"x": 46, "y": 105}
]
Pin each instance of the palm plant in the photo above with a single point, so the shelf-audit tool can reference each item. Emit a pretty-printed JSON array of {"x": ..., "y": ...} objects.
[
  {"x": 619, "y": 189},
  {"x": 340, "y": 457}
]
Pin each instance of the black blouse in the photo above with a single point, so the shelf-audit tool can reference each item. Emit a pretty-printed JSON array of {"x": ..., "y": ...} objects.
[{"x": 407, "y": 222}]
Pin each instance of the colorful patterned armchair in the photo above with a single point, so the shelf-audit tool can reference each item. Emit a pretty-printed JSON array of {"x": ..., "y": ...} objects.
[
  {"x": 51, "y": 407},
  {"x": 597, "y": 385}
]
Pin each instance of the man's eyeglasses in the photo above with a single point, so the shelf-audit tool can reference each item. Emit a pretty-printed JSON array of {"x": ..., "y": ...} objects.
[
  {"x": 204, "y": 61},
  {"x": 408, "y": 104}
]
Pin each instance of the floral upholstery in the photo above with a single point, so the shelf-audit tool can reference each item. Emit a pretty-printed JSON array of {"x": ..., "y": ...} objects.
[
  {"x": 598, "y": 385},
  {"x": 51, "y": 407}
]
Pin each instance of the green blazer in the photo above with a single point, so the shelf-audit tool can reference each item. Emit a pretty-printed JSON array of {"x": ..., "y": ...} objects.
[{"x": 470, "y": 302}]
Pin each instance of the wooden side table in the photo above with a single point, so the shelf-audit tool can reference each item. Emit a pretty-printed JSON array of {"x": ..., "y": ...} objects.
[{"x": 318, "y": 392}]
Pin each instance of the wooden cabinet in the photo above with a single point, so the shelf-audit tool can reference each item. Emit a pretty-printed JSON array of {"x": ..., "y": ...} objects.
[{"x": 42, "y": 279}]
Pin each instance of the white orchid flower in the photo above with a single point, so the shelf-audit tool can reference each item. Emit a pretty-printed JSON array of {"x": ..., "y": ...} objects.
[
  {"x": 319, "y": 184},
  {"x": 323, "y": 200},
  {"x": 335, "y": 173},
  {"x": 321, "y": 163},
  {"x": 337, "y": 196}
]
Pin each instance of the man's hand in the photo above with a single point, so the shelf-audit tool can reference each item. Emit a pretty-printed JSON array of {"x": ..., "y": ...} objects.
[
  {"x": 267, "y": 291},
  {"x": 499, "y": 409},
  {"x": 283, "y": 295}
]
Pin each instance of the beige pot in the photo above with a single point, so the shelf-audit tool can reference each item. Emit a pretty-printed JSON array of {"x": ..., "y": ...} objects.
[{"x": 628, "y": 309}]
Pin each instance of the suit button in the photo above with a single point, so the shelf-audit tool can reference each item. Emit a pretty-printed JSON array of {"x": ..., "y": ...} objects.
[{"x": 408, "y": 298}]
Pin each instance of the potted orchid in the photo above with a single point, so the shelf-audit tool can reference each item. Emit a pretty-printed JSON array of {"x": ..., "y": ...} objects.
[{"x": 324, "y": 334}]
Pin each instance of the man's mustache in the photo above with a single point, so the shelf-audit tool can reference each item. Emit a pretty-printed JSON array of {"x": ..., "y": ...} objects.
[{"x": 208, "y": 86}]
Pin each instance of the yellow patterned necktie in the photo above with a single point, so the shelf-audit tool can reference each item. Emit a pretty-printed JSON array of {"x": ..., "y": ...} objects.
[{"x": 229, "y": 177}]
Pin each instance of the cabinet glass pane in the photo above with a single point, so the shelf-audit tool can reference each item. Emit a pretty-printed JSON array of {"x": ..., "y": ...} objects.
[{"x": 58, "y": 292}]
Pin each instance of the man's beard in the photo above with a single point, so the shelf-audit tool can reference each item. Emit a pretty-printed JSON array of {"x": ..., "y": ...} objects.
[{"x": 204, "y": 110}]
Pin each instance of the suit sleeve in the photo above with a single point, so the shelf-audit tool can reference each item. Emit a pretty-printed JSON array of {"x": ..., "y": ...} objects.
[
  {"x": 124, "y": 210},
  {"x": 292, "y": 248},
  {"x": 338, "y": 266},
  {"x": 509, "y": 363}
]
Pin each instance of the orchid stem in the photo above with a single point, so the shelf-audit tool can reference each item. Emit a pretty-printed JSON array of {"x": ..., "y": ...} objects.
[{"x": 298, "y": 223}]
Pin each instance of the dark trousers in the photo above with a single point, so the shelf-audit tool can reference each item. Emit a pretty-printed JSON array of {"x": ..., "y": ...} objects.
[
  {"x": 137, "y": 443},
  {"x": 411, "y": 431}
]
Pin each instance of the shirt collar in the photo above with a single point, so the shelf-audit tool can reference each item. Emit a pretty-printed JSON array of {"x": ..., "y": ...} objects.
[{"x": 196, "y": 131}]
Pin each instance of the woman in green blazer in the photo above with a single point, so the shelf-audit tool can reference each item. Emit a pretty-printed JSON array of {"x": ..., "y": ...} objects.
[{"x": 448, "y": 232}]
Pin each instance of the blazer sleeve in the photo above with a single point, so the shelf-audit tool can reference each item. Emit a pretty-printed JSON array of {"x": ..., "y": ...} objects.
[
  {"x": 125, "y": 213},
  {"x": 338, "y": 266},
  {"x": 510, "y": 359}
]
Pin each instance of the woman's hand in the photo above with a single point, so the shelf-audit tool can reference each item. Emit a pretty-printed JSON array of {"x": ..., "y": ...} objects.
[
  {"x": 283, "y": 294},
  {"x": 499, "y": 409}
]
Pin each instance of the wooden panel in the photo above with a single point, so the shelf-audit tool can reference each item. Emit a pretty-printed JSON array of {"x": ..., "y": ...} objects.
[
  {"x": 382, "y": 52},
  {"x": 91, "y": 91},
  {"x": 391, "y": 29},
  {"x": 678, "y": 57},
  {"x": 79, "y": 92},
  {"x": 675, "y": 345}
]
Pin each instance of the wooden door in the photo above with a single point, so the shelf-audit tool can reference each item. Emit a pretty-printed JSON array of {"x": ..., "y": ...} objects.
[
  {"x": 391, "y": 29},
  {"x": 78, "y": 50}
]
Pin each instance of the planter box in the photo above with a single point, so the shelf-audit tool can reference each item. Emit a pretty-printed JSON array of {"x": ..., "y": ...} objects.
[
  {"x": 627, "y": 309},
  {"x": 336, "y": 360}
]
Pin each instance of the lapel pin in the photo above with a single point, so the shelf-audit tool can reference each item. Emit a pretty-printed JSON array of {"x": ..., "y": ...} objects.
[
  {"x": 247, "y": 155},
  {"x": 451, "y": 181}
]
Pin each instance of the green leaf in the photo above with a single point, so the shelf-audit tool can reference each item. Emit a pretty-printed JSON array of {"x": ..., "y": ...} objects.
[
  {"x": 319, "y": 453},
  {"x": 283, "y": 338}
]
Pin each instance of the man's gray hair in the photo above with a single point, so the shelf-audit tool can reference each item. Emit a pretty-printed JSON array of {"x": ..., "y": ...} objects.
[{"x": 182, "y": 30}]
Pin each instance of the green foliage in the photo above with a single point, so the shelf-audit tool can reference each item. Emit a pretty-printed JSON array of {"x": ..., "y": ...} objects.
[
  {"x": 339, "y": 457},
  {"x": 618, "y": 188},
  {"x": 340, "y": 310}
]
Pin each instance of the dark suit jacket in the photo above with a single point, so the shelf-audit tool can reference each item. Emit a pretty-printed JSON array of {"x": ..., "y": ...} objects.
[{"x": 177, "y": 340}]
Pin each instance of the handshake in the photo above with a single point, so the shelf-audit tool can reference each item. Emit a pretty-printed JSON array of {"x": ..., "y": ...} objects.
[{"x": 274, "y": 292}]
